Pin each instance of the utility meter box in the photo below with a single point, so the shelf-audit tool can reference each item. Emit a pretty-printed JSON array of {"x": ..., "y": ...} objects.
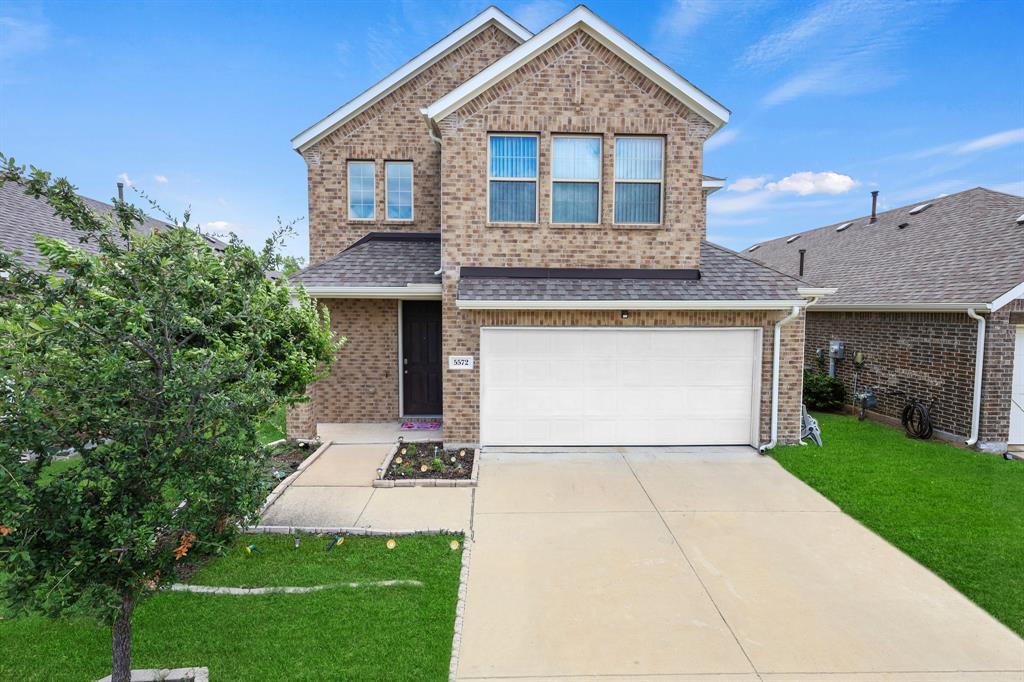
[{"x": 836, "y": 350}]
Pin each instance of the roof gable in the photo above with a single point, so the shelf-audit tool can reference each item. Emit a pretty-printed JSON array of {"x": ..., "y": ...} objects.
[
  {"x": 492, "y": 16},
  {"x": 582, "y": 18}
]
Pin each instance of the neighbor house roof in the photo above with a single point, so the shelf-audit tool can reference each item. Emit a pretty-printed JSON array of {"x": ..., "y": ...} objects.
[
  {"x": 492, "y": 16},
  {"x": 726, "y": 279},
  {"x": 22, "y": 217},
  {"x": 582, "y": 18},
  {"x": 379, "y": 264},
  {"x": 952, "y": 252}
]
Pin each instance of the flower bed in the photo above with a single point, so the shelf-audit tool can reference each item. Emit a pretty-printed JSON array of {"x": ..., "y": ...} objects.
[
  {"x": 429, "y": 461},
  {"x": 285, "y": 458}
]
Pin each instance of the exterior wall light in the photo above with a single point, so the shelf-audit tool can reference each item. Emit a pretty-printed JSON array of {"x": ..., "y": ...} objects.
[{"x": 625, "y": 314}]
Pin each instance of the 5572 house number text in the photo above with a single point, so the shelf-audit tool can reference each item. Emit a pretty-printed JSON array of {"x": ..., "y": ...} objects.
[{"x": 460, "y": 362}]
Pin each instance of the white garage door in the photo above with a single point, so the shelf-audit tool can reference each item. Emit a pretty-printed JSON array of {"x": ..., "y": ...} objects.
[{"x": 619, "y": 386}]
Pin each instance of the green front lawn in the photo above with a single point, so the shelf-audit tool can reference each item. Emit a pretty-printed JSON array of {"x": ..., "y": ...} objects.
[
  {"x": 368, "y": 633},
  {"x": 274, "y": 428},
  {"x": 960, "y": 513}
]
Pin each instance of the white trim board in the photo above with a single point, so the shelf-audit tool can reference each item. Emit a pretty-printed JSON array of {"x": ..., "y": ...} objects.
[
  {"x": 490, "y": 16},
  {"x": 607, "y": 35},
  {"x": 901, "y": 307},
  {"x": 1011, "y": 295},
  {"x": 411, "y": 292},
  {"x": 627, "y": 305}
]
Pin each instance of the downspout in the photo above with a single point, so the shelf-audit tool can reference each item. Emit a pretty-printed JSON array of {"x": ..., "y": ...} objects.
[
  {"x": 776, "y": 345},
  {"x": 979, "y": 363}
]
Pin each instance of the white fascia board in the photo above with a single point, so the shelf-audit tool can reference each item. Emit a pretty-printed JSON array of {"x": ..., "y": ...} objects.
[
  {"x": 901, "y": 307},
  {"x": 712, "y": 186},
  {"x": 1011, "y": 295},
  {"x": 409, "y": 292},
  {"x": 627, "y": 305},
  {"x": 491, "y": 15},
  {"x": 607, "y": 35}
]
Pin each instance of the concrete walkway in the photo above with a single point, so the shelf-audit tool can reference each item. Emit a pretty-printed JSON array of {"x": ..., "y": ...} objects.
[
  {"x": 335, "y": 491},
  {"x": 648, "y": 565}
]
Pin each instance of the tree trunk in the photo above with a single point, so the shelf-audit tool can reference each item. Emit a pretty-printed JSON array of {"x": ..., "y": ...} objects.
[{"x": 123, "y": 640}]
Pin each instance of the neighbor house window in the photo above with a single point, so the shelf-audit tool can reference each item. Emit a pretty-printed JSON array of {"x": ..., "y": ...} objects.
[
  {"x": 360, "y": 190},
  {"x": 639, "y": 172},
  {"x": 575, "y": 179},
  {"x": 398, "y": 190},
  {"x": 512, "y": 179}
]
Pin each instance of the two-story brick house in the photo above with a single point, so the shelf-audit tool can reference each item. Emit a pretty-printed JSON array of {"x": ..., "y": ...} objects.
[{"x": 510, "y": 232}]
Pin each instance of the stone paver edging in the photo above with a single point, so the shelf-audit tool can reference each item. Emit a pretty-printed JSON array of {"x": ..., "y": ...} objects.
[
  {"x": 283, "y": 485},
  {"x": 167, "y": 675},
  {"x": 470, "y": 482}
]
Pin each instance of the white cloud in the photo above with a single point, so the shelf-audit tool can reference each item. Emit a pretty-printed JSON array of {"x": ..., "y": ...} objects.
[
  {"x": 19, "y": 37},
  {"x": 684, "y": 17},
  {"x": 807, "y": 182},
  {"x": 994, "y": 141},
  {"x": 747, "y": 184},
  {"x": 838, "y": 47},
  {"x": 162, "y": 179},
  {"x": 538, "y": 14},
  {"x": 721, "y": 139},
  {"x": 220, "y": 226},
  {"x": 738, "y": 204},
  {"x": 1015, "y": 187},
  {"x": 123, "y": 177}
]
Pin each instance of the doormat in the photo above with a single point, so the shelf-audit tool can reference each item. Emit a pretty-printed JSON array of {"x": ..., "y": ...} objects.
[{"x": 421, "y": 425}]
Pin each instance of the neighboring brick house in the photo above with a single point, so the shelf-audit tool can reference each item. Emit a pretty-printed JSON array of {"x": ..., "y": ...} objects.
[
  {"x": 907, "y": 281},
  {"x": 509, "y": 231}
]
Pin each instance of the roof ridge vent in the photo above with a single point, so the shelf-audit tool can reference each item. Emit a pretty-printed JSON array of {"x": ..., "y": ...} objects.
[
  {"x": 844, "y": 226},
  {"x": 919, "y": 208},
  {"x": 793, "y": 239}
]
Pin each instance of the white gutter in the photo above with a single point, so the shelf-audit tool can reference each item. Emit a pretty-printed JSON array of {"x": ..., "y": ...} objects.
[
  {"x": 408, "y": 292},
  {"x": 979, "y": 364},
  {"x": 464, "y": 304},
  {"x": 900, "y": 307},
  {"x": 776, "y": 346}
]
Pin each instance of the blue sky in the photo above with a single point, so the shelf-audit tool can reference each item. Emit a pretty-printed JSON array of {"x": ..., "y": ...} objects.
[{"x": 196, "y": 102}]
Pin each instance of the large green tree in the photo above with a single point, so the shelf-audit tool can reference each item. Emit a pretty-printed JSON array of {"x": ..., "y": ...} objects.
[{"x": 152, "y": 361}]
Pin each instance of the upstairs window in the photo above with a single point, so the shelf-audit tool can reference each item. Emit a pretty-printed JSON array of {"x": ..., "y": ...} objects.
[
  {"x": 575, "y": 179},
  {"x": 361, "y": 190},
  {"x": 512, "y": 179},
  {"x": 398, "y": 190},
  {"x": 639, "y": 173}
]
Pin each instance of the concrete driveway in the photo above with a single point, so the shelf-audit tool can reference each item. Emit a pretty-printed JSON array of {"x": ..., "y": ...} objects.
[{"x": 701, "y": 564}]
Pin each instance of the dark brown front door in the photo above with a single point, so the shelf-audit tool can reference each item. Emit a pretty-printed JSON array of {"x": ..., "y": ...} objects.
[{"x": 421, "y": 361}]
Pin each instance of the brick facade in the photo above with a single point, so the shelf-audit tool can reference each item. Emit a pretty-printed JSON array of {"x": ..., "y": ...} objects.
[
  {"x": 577, "y": 85},
  {"x": 391, "y": 130},
  {"x": 929, "y": 356}
]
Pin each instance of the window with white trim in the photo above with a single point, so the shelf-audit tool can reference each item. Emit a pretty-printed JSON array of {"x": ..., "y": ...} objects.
[
  {"x": 639, "y": 179},
  {"x": 398, "y": 190},
  {"x": 512, "y": 179},
  {"x": 361, "y": 190},
  {"x": 575, "y": 179}
]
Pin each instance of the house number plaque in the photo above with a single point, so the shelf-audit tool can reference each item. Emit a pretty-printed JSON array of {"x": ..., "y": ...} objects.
[{"x": 460, "y": 362}]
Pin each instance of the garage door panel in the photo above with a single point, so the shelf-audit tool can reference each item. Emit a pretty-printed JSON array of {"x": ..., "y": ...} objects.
[{"x": 633, "y": 386}]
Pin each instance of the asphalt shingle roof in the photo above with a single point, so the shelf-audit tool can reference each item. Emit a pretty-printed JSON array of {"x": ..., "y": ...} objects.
[
  {"x": 380, "y": 259},
  {"x": 964, "y": 248},
  {"x": 22, "y": 217},
  {"x": 725, "y": 276}
]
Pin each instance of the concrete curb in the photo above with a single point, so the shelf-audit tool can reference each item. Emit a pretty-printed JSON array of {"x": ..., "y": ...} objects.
[
  {"x": 426, "y": 482},
  {"x": 352, "y": 530},
  {"x": 283, "y": 485},
  {"x": 460, "y": 608}
]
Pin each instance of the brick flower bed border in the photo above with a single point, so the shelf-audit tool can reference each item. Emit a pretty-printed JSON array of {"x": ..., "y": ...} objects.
[{"x": 470, "y": 482}]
